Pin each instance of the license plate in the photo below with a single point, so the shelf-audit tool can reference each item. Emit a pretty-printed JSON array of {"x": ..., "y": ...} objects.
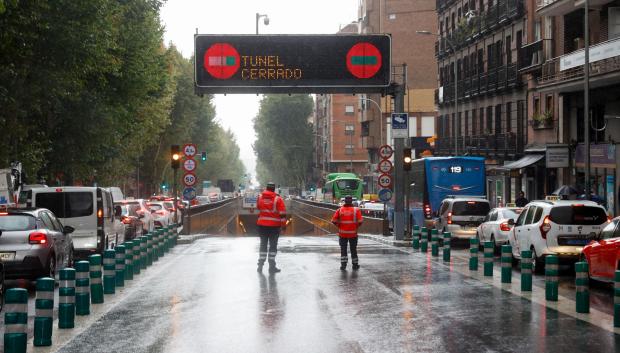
[
  {"x": 577, "y": 242},
  {"x": 7, "y": 256}
]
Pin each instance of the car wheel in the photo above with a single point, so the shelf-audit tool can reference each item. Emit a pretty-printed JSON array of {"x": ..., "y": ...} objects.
[
  {"x": 538, "y": 266},
  {"x": 480, "y": 247},
  {"x": 495, "y": 248},
  {"x": 50, "y": 270}
]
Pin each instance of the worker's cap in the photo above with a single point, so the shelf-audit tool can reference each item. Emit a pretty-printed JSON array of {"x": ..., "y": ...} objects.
[
  {"x": 271, "y": 186},
  {"x": 348, "y": 200}
]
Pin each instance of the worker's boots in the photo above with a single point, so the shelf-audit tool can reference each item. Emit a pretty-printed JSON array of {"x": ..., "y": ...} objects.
[{"x": 273, "y": 268}]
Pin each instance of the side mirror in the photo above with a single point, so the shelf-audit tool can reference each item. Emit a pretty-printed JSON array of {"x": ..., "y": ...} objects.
[
  {"x": 118, "y": 211},
  {"x": 68, "y": 229},
  {"x": 511, "y": 222}
]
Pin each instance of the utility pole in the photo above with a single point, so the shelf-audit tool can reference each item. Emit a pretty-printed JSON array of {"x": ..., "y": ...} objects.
[
  {"x": 398, "y": 94},
  {"x": 586, "y": 98}
]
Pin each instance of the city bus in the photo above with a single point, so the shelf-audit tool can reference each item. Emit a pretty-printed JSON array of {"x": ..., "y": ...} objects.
[
  {"x": 435, "y": 178},
  {"x": 339, "y": 185}
]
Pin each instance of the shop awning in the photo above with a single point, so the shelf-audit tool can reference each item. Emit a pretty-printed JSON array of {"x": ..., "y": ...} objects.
[{"x": 521, "y": 163}]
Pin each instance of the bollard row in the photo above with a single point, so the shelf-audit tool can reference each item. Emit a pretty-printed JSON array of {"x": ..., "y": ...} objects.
[{"x": 80, "y": 287}]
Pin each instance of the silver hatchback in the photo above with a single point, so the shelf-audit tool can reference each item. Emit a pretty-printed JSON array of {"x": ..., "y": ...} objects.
[{"x": 33, "y": 243}]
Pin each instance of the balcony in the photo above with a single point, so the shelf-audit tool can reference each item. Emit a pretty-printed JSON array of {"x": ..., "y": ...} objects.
[
  {"x": 604, "y": 59},
  {"x": 531, "y": 56},
  {"x": 563, "y": 7}
]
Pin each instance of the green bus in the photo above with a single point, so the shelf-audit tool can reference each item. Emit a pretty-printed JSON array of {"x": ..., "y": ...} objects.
[{"x": 339, "y": 185}]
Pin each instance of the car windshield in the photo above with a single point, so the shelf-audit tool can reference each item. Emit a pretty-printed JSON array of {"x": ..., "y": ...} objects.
[
  {"x": 470, "y": 208},
  {"x": 347, "y": 184},
  {"x": 66, "y": 204},
  {"x": 580, "y": 215},
  {"x": 17, "y": 222}
]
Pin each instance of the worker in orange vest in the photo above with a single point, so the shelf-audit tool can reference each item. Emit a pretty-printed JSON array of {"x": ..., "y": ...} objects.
[
  {"x": 271, "y": 218},
  {"x": 348, "y": 219}
]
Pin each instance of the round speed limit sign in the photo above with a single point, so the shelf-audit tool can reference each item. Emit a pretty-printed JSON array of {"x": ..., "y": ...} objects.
[
  {"x": 189, "y": 179},
  {"x": 385, "y": 180}
]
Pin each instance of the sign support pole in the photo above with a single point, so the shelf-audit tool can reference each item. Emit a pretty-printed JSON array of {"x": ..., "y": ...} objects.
[
  {"x": 399, "y": 143},
  {"x": 174, "y": 191}
]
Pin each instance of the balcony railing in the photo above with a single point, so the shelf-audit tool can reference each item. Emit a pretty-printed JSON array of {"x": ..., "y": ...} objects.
[
  {"x": 531, "y": 56},
  {"x": 494, "y": 81},
  {"x": 498, "y": 145}
]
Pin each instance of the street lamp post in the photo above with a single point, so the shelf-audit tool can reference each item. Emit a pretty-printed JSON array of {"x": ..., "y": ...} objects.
[
  {"x": 381, "y": 118},
  {"x": 456, "y": 91},
  {"x": 586, "y": 98},
  {"x": 265, "y": 21}
]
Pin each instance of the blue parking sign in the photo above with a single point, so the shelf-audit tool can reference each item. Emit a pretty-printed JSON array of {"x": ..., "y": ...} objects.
[
  {"x": 400, "y": 125},
  {"x": 189, "y": 194}
]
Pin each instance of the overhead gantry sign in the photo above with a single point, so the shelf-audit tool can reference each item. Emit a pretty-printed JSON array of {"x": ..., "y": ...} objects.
[{"x": 292, "y": 63}]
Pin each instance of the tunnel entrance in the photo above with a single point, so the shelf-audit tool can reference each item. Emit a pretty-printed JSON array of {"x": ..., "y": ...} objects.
[{"x": 245, "y": 225}]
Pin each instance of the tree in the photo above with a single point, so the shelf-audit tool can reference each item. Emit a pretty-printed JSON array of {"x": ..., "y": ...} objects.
[{"x": 284, "y": 139}]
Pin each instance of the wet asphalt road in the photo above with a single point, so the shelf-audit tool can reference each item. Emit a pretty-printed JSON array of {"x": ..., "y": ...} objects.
[{"x": 207, "y": 297}]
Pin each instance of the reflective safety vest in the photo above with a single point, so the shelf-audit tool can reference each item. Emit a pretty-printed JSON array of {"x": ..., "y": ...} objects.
[
  {"x": 348, "y": 219},
  {"x": 272, "y": 211}
]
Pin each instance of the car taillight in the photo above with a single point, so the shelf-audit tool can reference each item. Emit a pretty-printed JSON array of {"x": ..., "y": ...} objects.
[
  {"x": 126, "y": 220},
  {"x": 545, "y": 227},
  {"x": 100, "y": 213},
  {"x": 449, "y": 217},
  {"x": 504, "y": 227},
  {"x": 37, "y": 238},
  {"x": 161, "y": 213}
]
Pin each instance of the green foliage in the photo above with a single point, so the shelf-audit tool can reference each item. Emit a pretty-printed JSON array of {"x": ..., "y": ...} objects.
[{"x": 284, "y": 139}]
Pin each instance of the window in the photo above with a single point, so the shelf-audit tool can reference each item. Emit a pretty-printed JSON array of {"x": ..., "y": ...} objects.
[
  {"x": 498, "y": 119},
  {"x": 347, "y": 184},
  {"x": 608, "y": 231},
  {"x": 493, "y": 216},
  {"x": 614, "y": 22},
  {"x": 508, "y": 116},
  {"x": 530, "y": 215},
  {"x": 537, "y": 31},
  {"x": 348, "y": 149},
  {"x": 349, "y": 109},
  {"x": 481, "y": 120},
  {"x": 45, "y": 218},
  {"x": 392, "y": 16},
  {"x": 466, "y": 125},
  {"x": 470, "y": 208},
  {"x": 579, "y": 215},
  {"x": 508, "y": 50},
  {"x": 521, "y": 219},
  {"x": 413, "y": 126},
  {"x": 57, "y": 225},
  {"x": 349, "y": 129},
  {"x": 17, "y": 222},
  {"x": 443, "y": 208},
  {"x": 66, "y": 204},
  {"x": 538, "y": 215}
]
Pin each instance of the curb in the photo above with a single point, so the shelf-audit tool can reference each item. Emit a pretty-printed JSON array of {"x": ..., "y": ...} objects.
[
  {"x": 387, "y": 240},
  {"x": 188, "y": 239}
]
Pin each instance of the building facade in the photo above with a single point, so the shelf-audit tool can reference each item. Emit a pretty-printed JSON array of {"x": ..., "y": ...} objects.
[
  {"x": 552, "y": 60},
  {"x": 481, "y": 97}
]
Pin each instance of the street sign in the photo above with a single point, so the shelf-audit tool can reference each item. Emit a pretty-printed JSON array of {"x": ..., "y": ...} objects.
[
  {"x": 189, "y": 194},
  {"x": 189, "y": 150},
  {"x": 189, "y": 165},
  {"x": 385, "y": 166},
  {"x": 335, "y": 63},
  {"x": 400, "y": 125},
  {"x": 189, "y": 179},
  {"x": 385, "y": 151},
  {"x": 385, "y": 195},
  {"x": 385, "y": 180}
]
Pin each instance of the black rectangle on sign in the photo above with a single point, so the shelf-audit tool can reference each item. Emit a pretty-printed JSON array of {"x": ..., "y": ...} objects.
[{"x": 292, "y": 63}]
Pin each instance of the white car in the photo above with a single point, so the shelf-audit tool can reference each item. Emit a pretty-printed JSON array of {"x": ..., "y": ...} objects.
[
  {"x": 495, "y": 227},
  {"x": 161, "y": 215},
  {"x": 462, "y": 215},
  {"x": 559, "y": 228}
]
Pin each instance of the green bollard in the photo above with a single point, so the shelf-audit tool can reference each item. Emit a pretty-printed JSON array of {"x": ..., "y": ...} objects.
[
  {"x": 434, "y": 242},
  {"x": 526, "y": 271},
  {"x": 96, "y": 287},
  {"x": 488, "y": 258},
  {"x": 137, "y": 258},
  {"x": 128, "y": 260},
  {"x": 15, "y": 320},
  {"x": 158, "y": 244},
  {"x": 424, "y": 240},
  {"x": 82, "y": 288},
  {"x": 582, "y": 298},
  {"x": 66, "y": 298},
  {"x": 617, "y": 299},
  {"x": 44, "y": 312},
  {"x": 109, "y": 271},
  {"x": 162, "y": 242},
  {"x": 416, "y": 237},
  {"x": 551, "y": 277},
  {"x": 473, "y": 254},
  {"x": 143, "y": 253},
  {"x": 155, "y": 244},
  {"x": 120, "y": 266},
  {"x": 506, "y": 261},
  {"x": 149, "y": 248},
  {"x": 447, "y": 236}
]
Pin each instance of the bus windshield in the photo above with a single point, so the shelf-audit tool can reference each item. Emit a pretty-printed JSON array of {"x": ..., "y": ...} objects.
[{"x": 347, "y": 184}]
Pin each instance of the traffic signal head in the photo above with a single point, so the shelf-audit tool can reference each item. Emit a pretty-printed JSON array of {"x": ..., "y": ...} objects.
[
  {"x": 164, "y": 186},
  {"x": 203, "y": 156},
  {"x": 407, "y": 159},
  {"x": 175, "y": 156}
]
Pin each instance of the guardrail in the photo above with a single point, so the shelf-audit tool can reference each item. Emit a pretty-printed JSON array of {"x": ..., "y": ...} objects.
[
  {"x": 320, "y": 214},
  {"x": 211, "y": 217}
]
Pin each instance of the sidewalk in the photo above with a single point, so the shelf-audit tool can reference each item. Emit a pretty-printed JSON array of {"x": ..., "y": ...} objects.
[{"x": 389, "y": 239}]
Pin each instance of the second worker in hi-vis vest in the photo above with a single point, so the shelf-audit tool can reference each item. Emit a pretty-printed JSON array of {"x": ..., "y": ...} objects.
[
  {"x": 271, "y": 217},
  {"x": 348, "y": 218}
]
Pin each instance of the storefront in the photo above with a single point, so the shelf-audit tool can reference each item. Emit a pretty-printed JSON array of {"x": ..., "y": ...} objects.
[{"x": 603, "y": 172}]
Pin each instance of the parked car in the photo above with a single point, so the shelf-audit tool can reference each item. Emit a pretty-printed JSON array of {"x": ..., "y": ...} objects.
[
  {"x": 372, "y": 209},
  {"x": 89, "y": 210},
  {"x": 144, "y": 213},
  {"x": 34, "y": 243},
  {"x": 130, "y": 218},
  {"x": 462, "y": 215},
  {"x": 169, "y": 204},
  {"x": 495, "y": 227},
  {"x": 161, "y": 215},
  {"x": 561, "y": 228},
  {"x": 603, "y": 254}
]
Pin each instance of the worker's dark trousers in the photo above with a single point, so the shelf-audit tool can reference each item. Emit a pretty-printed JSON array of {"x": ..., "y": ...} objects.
[
  {"x": 343, "y": 250},
  {"x": 268, "y": 238}
]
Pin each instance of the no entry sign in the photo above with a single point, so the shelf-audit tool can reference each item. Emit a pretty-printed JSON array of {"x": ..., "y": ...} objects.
[{"x": 340, "y": 63}]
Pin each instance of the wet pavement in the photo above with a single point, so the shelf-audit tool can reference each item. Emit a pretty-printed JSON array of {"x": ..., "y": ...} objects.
[{"x": 207, "y": 297}]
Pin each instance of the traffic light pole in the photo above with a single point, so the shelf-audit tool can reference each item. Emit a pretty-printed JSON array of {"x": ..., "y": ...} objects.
[
  {"x": 176, "y": 199},
  {"x": 399, "y": 144}
]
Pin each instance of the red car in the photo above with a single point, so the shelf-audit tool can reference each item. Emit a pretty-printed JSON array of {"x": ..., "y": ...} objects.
[{"x": 603, "y": 254}]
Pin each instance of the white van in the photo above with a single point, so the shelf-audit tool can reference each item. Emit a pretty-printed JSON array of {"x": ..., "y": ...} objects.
[{"x": 90, "y": 210}]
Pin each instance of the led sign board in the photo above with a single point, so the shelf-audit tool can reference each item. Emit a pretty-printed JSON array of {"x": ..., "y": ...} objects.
[{"x": 292, "y": 63}]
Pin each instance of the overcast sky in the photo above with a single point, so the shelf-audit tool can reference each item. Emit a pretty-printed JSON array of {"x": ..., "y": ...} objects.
[{"x": 182, "y": 18}]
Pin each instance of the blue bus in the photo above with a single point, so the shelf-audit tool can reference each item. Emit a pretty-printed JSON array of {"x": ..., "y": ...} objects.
[{"x": 434, "y": 178}]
